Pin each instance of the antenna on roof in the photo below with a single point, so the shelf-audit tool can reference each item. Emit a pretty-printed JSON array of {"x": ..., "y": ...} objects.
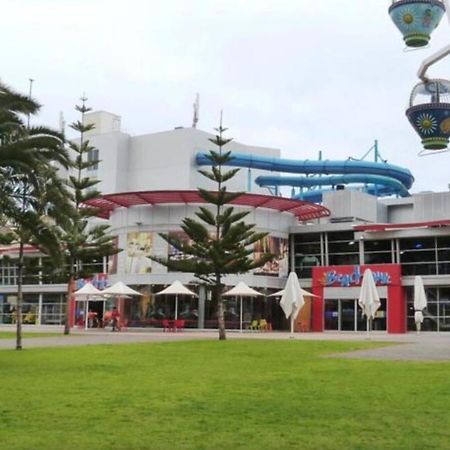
[
  {"x": 62, "y": 123},
  {"x": 196, "y": 109}
]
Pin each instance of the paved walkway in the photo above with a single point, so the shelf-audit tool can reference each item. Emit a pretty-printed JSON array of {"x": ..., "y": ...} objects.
[{"x": 411, "y": 346}]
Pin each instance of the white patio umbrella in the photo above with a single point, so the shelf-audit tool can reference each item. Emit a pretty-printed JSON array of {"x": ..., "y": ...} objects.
[
  {"x": 241, "y": 290},
  {"x": 369, "y": 300},
  {"x": 119, "y": 289},
  {"x": 85, "y": 294},
  {"x": 176, "y": 288},
  {"x": 292, "y": 300},
  {"x": 420, "y": 301}
]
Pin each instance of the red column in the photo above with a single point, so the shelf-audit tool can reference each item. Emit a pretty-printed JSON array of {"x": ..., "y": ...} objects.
[
  {"x": 396, "y": 313},
  {"x": 318, "y": 309}
]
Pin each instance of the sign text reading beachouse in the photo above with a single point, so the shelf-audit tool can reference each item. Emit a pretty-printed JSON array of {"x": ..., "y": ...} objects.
[{"x": 354, "y": 278}]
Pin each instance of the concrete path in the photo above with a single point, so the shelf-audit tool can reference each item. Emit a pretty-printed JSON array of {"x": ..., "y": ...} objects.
[{"x": 411, "y": 346}]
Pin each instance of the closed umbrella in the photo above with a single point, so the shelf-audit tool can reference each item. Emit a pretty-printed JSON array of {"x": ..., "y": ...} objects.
[
  {"x": 241, "y": 290},
  {"x": 292, "y": 300},
  {"x": 280, "y": 293},
  {"x": 176, "y": 288},
  {"x": 369, "y": 300},
  {"x": 420, "y": 301}
]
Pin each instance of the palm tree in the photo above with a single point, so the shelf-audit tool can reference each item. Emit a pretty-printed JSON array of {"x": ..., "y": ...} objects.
[{"x": 27, "y": 176}]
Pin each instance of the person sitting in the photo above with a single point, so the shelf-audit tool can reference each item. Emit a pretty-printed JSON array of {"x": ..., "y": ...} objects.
[
  {"x": 107, "y": 318},
  {"x": 92, "y": 319}
]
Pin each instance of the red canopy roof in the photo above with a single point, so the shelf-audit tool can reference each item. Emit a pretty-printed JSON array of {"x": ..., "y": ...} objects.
[{"x": 301, "y": 209}]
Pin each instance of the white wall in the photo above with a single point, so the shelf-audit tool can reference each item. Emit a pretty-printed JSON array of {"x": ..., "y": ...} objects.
[
  {"x": 164, "y": 218},
  {"x": 159, "y": 161}
]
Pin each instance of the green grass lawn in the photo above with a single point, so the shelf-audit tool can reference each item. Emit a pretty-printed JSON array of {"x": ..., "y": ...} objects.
[
  {"x": 27, "y": 334},
  {"x": 207, "y": 395}
]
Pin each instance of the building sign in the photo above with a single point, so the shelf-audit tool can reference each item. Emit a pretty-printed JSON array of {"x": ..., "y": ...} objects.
[{"x": 354, "y": 278}]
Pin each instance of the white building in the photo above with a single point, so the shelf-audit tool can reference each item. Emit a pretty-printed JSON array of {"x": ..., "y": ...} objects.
[{"x": 148, "y": 186}]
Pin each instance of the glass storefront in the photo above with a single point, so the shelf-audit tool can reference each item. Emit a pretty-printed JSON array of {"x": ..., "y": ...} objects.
[
  {"x": 437, "y": 313},
  {"x": 150, "y": 310},
  {"x": 44, "y": 309},
  {"x": 346, "y": 315}
]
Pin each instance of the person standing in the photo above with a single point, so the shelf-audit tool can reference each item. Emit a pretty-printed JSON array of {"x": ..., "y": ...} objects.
[{"x": 115, "y": 316}]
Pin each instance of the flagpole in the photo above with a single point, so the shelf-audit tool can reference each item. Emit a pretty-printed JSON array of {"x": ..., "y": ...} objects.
[
  {"x": 86, "y": 314},
  {"x": 240, "y": 316},
  {"x": 292, "y": 326},
  {"x": 176, "y": 306}
]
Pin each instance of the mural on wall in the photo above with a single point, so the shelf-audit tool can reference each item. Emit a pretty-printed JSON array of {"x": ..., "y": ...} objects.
[
  {"x": 175, "y": 254},
  {"x": 112, "y": 260},
  {"x": 139, "y": 248},
  {"x": 279, "y": 247}
]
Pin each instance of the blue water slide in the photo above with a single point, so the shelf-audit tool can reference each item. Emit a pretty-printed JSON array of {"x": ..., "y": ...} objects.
[
  {"x": 380, "y": 184},
  {"x": 316, "y": 195},
  {"x": 379, "y": 178}
]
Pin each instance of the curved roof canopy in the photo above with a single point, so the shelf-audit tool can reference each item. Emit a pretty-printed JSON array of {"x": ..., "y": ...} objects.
[{"x": 301, "y": 209}]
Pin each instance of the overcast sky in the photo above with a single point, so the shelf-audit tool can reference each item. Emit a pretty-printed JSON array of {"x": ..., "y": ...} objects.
[{"x": 298, "y": 75}]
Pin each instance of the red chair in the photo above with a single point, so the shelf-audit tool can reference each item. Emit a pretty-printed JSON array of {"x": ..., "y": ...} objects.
[
  {"x": 80, "y": 323},
  {"x": 123, "y": 325},
  {"x": 166, "y": 325},
  {"x": 179, "y": 325}
]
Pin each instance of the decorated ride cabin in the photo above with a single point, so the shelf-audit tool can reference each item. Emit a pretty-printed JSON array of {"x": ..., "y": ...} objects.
[
  {"x": 429, "y": 113},
  {"x": 416, "y": 19}
]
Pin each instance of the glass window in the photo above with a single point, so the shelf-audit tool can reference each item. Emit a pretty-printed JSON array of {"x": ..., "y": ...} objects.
[
  {"x": 307, "y": 253},
  {"x": 417, "y": 243},
  {"x": 377, "y": 246},
  {"x": 419, "y": 269},
  {"x": 339, "y": 236},
  {"x": 417, "y": 256},
  {"x": 444, "y": 261},
  {"x": 53, "y": 309},
  {"x": 308, "y": 248},
  {"x": 8, "y": 273},
  {"x": 443, "y": 242},
  {"x": 343, "y": 259},
  {"x": 307, "y": 238},
  {"x": 93, "y": 158},
  {"x": 378, "y": 258},
  {"x": 343, "y": 247}
]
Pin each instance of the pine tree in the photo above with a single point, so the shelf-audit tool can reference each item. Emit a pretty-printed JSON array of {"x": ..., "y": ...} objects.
[
  {"x": 222, "y": 243},
  {"x": 82, "y": 238}
]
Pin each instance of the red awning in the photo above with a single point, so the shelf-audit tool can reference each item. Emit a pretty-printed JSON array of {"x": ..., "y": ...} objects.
[{"x": 299, "y": 208}]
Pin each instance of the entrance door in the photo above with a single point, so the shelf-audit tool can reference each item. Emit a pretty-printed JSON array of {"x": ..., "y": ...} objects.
[
  {"x": 346, "y": 315},
  {"x": 332, "y": 315}
]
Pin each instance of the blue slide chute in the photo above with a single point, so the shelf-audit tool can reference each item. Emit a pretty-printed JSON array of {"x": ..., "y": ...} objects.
[{"x": 378, "y": 178}]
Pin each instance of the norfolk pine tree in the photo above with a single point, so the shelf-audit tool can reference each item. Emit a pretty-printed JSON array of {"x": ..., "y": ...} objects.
[
  {"x": 82, "y": 240},
  {"x": 222, "y": 243}
]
